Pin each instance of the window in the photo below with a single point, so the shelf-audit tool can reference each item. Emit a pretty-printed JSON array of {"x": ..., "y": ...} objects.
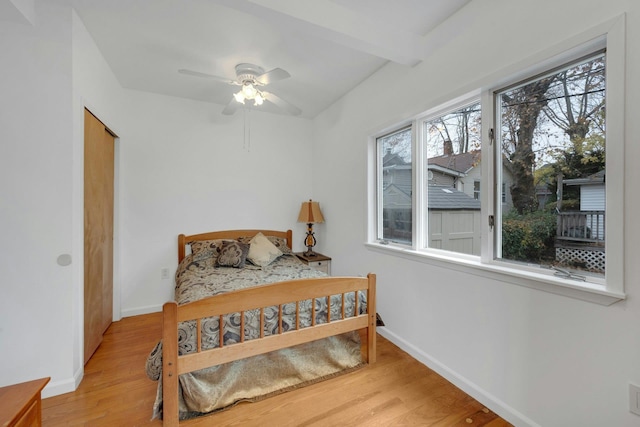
[
  {"x": 452, "y": 143},
  {"x": 395, "y": 187},
  {"x": 551, "y": 137},
  {"x": 510, "y": 180}
]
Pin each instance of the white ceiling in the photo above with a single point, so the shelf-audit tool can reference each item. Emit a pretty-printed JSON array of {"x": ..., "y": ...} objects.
[{"x": 328, "y": 46}]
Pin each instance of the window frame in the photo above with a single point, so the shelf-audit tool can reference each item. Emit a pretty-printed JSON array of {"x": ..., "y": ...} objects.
[
  {"x": 421, "y": 169},
  {"x": 379, "y": 208},
  {"x": 476, "y": 188},
  {"x": 609, "y": 35},
  {"x": 588, "y": 54}
]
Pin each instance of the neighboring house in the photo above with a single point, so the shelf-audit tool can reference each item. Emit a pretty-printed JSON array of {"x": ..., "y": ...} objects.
[
  {"x": 454, "y": 216},
  {"x": 463, "y": 172},
  {"x": 592, "y": 203},
  {"x": 397, "y": 212},
  {"x": 396, "y": 180},
  {"x": 580, "y": 236}
]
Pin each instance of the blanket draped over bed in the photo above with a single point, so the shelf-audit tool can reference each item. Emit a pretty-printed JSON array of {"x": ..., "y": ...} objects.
[{"x": 260, "y": 376}]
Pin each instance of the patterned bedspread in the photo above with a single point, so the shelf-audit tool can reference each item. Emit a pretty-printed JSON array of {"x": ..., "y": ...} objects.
[{"x": 198, "y": 277}]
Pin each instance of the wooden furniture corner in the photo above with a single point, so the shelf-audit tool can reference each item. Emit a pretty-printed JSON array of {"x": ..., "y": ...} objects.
[{"x": 21, "y": 404}]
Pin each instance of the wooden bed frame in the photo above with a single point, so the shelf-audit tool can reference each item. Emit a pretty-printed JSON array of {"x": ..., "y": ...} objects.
[{"x": 258, "y": 297}]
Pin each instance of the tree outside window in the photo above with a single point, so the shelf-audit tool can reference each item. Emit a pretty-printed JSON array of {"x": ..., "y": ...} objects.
[{"x": 552, "y": 137}]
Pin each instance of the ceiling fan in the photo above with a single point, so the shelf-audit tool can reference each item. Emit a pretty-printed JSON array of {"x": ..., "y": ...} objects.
[{"x": 251, "y": 78}]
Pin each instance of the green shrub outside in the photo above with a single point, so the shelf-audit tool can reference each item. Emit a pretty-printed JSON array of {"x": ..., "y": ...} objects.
[{"x": 529, "y": 237}]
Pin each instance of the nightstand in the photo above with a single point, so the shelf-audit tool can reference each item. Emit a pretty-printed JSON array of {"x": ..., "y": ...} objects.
[{"x": 318, "y": 262}]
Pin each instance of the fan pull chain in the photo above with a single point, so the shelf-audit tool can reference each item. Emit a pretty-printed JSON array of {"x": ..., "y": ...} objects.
[{"x": 247, "y": 129}]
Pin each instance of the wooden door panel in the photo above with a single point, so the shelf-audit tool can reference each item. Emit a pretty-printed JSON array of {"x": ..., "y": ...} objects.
[
  {"x": 107, "y": 264},
  {"x": 98, "y": 232}
]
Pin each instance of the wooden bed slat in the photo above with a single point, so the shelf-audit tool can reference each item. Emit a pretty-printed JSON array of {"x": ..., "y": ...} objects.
[
  {"x": 261, "y": 322},
  {"x": 199, "y": 334},
  {"x": 328, "y": 308},
  {"x": 242, "y": 326},
  {"x": 356, "y": 307},
  {"x": 221, "y": 330}
]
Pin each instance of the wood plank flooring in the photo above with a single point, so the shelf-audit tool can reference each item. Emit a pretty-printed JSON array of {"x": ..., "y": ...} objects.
[{"x": 396, "y": 391}]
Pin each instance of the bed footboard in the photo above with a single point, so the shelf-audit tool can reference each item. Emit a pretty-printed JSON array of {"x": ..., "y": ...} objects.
[{"x": 259, "y": 298}]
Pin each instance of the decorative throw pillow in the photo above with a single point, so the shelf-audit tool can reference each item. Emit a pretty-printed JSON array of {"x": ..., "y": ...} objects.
[
  {"x": 233, "y": 254},
  {"x": 262, "y": 252},
  {"x": 244, "y": 239},
  {"x": 206, "y": 245},
  {"x": 281, "y": 244},
  {"x": 203, "y": 258}
]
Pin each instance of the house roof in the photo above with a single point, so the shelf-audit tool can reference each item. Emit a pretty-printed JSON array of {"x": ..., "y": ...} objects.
[
  {"x": 462, "y": 162},
  {"x": 442, "y": 197},
  {"x": 447, "y": 198},
  {"x": 596, "y": 178},
  {"x": 393, "y": 159}
]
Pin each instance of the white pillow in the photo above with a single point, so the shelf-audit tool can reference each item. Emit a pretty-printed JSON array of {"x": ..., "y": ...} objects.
[{"x": 261, "y": 251}]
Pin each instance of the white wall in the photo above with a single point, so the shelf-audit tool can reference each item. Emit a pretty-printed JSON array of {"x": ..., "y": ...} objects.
[
  {"x": 185, "y": 168},
  {"x": 535, "y": 357},
  {"x": 36, "y": 164}
]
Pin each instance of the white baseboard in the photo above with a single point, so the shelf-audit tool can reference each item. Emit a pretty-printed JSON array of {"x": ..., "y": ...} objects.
[
  {"x": 55, "y": 388},
  {"x": 496, "y": 405}
]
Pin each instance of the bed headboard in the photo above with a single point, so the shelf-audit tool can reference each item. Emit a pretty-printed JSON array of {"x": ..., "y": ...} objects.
[{"x": 229, "y": 234}]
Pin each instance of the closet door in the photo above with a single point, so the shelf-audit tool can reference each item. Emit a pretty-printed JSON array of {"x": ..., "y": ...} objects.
[{"x": 98, "y": 232}]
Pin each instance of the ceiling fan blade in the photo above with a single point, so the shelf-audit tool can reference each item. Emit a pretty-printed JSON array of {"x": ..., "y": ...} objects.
[
  {"x": 231, "y": 107},
  {"x": 292, "y": 109},
  {"x": 272, "y": 76},
  {"x": 208, "y": 76}
]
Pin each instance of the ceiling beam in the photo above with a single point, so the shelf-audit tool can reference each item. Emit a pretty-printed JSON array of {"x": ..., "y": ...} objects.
[{"x": 330, "y": 21}]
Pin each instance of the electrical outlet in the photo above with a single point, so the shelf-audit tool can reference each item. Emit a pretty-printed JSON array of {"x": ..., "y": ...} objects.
[
  {"x": 634, "y": 399},
  {"x": 164, "y": 273}
]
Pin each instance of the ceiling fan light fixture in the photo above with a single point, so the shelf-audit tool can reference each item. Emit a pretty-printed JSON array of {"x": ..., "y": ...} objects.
[
  {"x": 239, "y": 97},
  {"x": 251, "y": 78},
  {"x": 249, "y": 91}
]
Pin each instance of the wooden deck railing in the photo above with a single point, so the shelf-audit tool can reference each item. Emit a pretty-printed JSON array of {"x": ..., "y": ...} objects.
[{"x": 581, "y": 226}]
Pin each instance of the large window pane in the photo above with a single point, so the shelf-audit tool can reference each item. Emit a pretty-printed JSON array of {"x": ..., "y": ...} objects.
[
  {"x": 454, "y": 182},
  {"x": 395, "y": 187},
  {"x": 552, "y": 144}
]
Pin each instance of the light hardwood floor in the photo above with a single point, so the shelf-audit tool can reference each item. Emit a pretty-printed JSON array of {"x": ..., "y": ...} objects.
[{"x": 396, "y": 391}]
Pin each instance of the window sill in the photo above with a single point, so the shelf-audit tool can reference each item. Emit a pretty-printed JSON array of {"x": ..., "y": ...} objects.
[{"x": 584, "y": 291}]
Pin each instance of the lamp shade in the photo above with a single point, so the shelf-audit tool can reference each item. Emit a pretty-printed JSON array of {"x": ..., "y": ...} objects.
[{"x": 310, "y": 213}]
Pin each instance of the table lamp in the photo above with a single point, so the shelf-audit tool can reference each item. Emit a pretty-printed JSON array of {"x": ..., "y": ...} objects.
[{"x": 310, "y": 213}]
